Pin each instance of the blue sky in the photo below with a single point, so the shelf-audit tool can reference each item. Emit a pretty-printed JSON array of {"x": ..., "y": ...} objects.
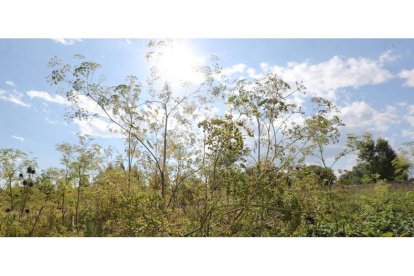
[{"x": 371, "y": 81}]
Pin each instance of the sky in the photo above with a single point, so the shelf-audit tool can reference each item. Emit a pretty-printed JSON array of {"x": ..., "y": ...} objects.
[{"x": 371, "y": 82}]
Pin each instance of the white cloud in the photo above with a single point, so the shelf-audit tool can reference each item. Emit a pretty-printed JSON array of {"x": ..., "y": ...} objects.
[
  {"x": 326, "y": 78},
  {"x": 238, "y": 68},
  {"x": 13, "y": 97},
  {"x": 91, "y": 106},
  {"x": 47, "y": 97},
  {"x": 99, "y": 128},
  {"x": 387, "y": 57},
  {"x": 408, "y": 75},
  {"x": 409, "y": 116},
  {"x": 264, "y": 66},
  {"x": 67, "y": 41},
  {"x": 296, "y": 99},
  {"x": 11, "y": 83},
  {"x": 407, "y": 133},
  {"x": 361, "y": 116},
  {"x": 410, "y": 120},
  {"x": 410, "y": 109},
  {"x": 82, "y": 100},
  {"x": 252, "y": 73},
  {"x": 19, "y": 138}
]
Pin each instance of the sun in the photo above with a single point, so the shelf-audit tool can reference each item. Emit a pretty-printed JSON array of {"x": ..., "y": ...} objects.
[{"x": 177, "y": 63}]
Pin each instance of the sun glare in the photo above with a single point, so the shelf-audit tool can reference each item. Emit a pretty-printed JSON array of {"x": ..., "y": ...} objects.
[{"x": 179, "y": 64}]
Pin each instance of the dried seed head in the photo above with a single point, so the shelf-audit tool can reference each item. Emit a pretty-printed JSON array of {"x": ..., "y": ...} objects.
[
  {"x": 27, "y": 211},
  {"x": 21, "y": 175},
  {"x": 33, "y": 171},
  {"x": 8, "y": 210},
  {"x": 29, "y": 169},
  {"x": 24, "y": 182},
  {"x": 30, "y": 184}
]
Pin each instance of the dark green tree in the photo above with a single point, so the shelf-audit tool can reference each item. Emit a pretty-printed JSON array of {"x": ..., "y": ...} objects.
[
  {"x": 374, "y": 161},
  {"x": 383, "y": 157},
  {"x": 402, "y": 167},
  {"x": 325, "y": 176}
]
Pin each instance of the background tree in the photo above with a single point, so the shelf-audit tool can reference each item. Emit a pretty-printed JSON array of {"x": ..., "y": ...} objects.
[
  {"x": 376, "y": 161},
  {"x": 407, "y": 151},
  {"x": 13, "y": 164},
  {"x": 383, "y": 157},
  {"x": 326, "y": 176},
  {"x": 83, "y": 161},
  {"x": 401, "y": 167},
  {"x": 377, "y": 157}
]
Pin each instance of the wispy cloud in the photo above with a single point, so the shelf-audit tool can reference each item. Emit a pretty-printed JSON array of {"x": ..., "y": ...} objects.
[
  {"x": 52, "y": 122},
  {"x": 47, "y": 97},
  {"x": 66, "y": 41},
  {"x": 10, "y": 83},
  {"x": 19, "y": 138},
  {"x": 13, "y": 97},
  {"x": 98, "y": 128}
]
